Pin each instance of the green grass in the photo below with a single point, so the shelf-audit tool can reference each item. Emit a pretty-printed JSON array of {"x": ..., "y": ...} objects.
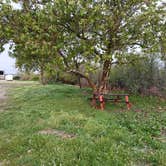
[{"x": 113, "y": 137}]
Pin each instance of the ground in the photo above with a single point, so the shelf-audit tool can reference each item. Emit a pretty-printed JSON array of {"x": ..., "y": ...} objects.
[
  {"x": 2, "y": 97},
  {"x": 55, "y": 125},
  {"x": 5, "y": 86}
]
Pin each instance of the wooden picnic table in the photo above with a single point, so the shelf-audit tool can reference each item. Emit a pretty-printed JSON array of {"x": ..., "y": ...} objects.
[{"x": 116, "y": 98}]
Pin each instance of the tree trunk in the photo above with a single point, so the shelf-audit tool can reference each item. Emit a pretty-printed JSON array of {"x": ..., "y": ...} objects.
[
  {"x": 103, "y": 87},
  {"x": 103, "y": 84},
  {"x": 78, "y": 77},
  {"x": 42, "y": 78},
  {"x": 79, "y": 82}
]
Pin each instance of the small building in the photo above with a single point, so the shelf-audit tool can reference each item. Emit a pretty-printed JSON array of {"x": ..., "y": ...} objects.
[
  {"x": 7, "y": 77},
  {"x": 7, "y": 64},
  {"x": 2, "y": 75}
]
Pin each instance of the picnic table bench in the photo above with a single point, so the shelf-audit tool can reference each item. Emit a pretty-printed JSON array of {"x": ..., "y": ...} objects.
[{"x": 116, "y": 98}]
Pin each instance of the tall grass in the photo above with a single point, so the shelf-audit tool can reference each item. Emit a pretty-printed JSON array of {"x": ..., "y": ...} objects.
[{"x": 113, "y": 137}]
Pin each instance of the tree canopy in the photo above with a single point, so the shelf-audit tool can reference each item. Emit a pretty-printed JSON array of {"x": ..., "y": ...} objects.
[{"x": 63, "y": 34}]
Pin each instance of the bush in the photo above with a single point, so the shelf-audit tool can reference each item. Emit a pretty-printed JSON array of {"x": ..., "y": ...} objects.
[
  {"x": 29, "y": 77},
  {"x": 16, "y": 77},
  {"x": 35, "y": 77},
  {"x": 67, "y": 78},
  {"x": 141, "y": 77},
  {"x": 60, "y": 76}
]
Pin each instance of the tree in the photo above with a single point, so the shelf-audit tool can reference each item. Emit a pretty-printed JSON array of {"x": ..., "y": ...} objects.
[
  {"x": 34, "y": 38},
  {"x": 108, "y": 32},
  {"x": 96, "y": 34}
]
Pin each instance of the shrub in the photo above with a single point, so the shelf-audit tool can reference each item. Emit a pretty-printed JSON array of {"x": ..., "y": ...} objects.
[
  {"x": 16, "y": 77},
  {"x": 141, "y": 77},
  {"x": 29, "y": 77}
]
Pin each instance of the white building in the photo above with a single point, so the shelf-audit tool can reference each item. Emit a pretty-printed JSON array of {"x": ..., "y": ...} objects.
[{"x": 7, "y": 64}]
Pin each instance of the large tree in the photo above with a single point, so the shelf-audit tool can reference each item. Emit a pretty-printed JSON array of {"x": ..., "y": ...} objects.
[
  {"x": 107, "y": 32},
  {"x": 34, "y": 38},
  {"x": 93, "y": 34}
]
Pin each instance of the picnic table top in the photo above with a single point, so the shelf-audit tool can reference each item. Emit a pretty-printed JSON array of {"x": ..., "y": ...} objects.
[{"x": 112, "y": 94}]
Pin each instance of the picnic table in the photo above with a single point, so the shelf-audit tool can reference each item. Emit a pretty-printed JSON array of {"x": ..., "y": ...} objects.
[{"x": 116, "y": 98}]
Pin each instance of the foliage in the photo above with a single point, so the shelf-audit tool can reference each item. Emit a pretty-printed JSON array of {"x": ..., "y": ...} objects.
[
  {"x": 17, "y": 77},
  {"x": 140, "y": 77},
  {"x": 102, "y": 138},
  {"x": 5, "y": 10},
  {"x": 33, "y": 48},
  {"x": 147, "y": 76},
  {"x": 29, "y": 76},
  {"x": 62, "y": 34},
  {"x": 107, "y": 30}
]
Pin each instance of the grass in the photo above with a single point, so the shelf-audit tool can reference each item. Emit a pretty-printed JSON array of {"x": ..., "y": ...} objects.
[{"x": 113, "y": 137}]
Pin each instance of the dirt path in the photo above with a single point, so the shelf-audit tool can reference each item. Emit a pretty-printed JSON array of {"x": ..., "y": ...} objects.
[
  {"x": 3, "y": 97},
  {"x": 5, "y": 86},
  {"x": 2, "y": 92}
]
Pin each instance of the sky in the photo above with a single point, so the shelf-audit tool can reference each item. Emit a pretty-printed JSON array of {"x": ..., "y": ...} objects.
[{"x": 7, "y": 64}]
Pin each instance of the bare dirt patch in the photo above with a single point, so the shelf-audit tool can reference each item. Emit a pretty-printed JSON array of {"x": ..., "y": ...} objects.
[
  {"x": 5, "y": 162},
  {"x": 2, "y": 92},
  {"x": 3, "y": 97},
  {"x": 58, "y": 133}
]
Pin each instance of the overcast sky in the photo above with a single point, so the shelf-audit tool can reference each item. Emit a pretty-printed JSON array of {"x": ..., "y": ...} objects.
[{"x": 7, "y": 63}]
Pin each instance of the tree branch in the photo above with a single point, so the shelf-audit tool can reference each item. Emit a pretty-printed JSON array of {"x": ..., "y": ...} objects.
[
  {"x": 78, "y": 73},
  {"x": 64, "y": 58}
]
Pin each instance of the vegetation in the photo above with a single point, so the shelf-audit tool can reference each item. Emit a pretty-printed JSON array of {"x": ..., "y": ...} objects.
[
  {"x": 121, "y": 42},
  {"x": 5, "y": 10},
  {"x": 112, "y": 137},
  {"x": 66, "y": 35},
  {"x": 146, "y": 77}
]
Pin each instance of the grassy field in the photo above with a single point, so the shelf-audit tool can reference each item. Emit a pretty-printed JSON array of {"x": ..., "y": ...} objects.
[{"x": 78, "y": 134}]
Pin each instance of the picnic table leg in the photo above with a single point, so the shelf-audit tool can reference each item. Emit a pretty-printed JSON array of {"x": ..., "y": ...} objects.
[
  {"x": 102, "y": 104},
  {"x": 127, "y": 102}
]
